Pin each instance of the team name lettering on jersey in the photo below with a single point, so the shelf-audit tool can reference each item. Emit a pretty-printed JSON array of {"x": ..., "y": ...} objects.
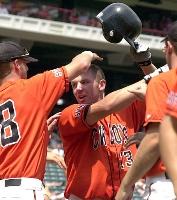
[
  {"x": 78, "y": 111},
  {"x": 57, "y": 72},
  {"x": 117, "y": 135},
  {"x": 99, "y": 138}
]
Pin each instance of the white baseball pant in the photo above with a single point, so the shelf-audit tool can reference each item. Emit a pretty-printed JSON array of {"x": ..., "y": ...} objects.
[
  {"x": 21, "y": 189},
  {"x": 158, "y": 188}
]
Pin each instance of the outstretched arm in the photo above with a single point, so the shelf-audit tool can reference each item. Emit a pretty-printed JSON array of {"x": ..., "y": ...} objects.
[
  {"x": 115, "y": 101},
  {"x": 81, "y": 64},
  {"x": 120, "y": 99},
  {"x": 168, "y": 147},
  {"x": 145, "y": 158}
]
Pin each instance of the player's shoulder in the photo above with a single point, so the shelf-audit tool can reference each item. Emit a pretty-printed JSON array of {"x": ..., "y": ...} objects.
[
  {"x": 74, "y": 109},
  {"x": 163, "y": 77},
  {"x": 68, "y": 115},
  {"x": 68, "y": 108}
]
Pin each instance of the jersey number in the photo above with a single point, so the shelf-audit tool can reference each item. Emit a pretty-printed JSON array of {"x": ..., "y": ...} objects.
[
  {"x": 7, "y": 123},
  {"x": 127, "y": 155}
]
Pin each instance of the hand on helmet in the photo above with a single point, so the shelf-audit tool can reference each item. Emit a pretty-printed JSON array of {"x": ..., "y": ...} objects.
[{"x": 141, "y": 55}]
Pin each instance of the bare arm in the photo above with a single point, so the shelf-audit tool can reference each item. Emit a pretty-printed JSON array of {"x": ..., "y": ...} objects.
[
  {"x": 80, "y": 64},
  {"x": 142, "y": 163},
  {"x": 168, "y": 147},
  {"x": 148, "y": 69},
  {"x": 114, "y": 102}
]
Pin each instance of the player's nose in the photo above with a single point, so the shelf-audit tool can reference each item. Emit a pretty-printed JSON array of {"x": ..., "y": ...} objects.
[{"x": 79, "y": 86}]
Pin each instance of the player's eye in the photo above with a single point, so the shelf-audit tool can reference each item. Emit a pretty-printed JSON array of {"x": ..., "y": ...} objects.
[{"x": 73, "y": 85}]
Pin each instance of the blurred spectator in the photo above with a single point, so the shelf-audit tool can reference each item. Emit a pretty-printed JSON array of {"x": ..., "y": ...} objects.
[
  {"x": 83, "y": 17},
  {"x": 53, "y": 12},
  {"x": 167, "y": 23},
  {"x": 43, "y": 12},
  {"x": 156, "y": 24},
  {"x": 3, "y": 9},
  {"x": 73, "y": 16}
]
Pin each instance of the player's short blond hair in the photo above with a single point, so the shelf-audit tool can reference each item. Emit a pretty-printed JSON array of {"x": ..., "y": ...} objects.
[
  {"x": 5, "y": 69},
  {"x": 97, "y": 71}
]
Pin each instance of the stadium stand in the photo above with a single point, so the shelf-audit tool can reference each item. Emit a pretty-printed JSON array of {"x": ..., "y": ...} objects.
[
  {"x": 55, "y": 180},
  {"x": 156, "y": 24}
]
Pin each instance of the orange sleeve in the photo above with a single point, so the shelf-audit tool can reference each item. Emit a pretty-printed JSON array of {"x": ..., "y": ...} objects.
[
  {"x": 138, "y": 112},
  {"x": 156, "y": 95},
  {"x": 49, "y": 87},
  {"x": 72, "y": 120}
]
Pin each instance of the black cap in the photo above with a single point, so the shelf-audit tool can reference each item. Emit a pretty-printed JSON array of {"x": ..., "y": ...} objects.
[
  {"x": 172, "y": 33},
  {"x": 10, "y": 51}
]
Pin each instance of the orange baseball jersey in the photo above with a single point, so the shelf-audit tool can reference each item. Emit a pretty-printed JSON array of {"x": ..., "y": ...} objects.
[
  {"x": 24, "y": 108},
  {"x": 171, "y": 108},
  {"x": 156, "y": 96},
  {"x": 95, "y": 157}
]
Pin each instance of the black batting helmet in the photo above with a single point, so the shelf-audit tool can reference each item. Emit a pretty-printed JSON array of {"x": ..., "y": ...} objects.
[{"x": 120, "y": 21}]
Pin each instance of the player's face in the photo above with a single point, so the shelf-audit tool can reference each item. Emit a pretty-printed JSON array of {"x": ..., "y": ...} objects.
[
  {"x": 167, "y": 51},
  {"x": 86, "y": 88}
]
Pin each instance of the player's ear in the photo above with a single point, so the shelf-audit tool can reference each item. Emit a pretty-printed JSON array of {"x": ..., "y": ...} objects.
[
  {"x": 16, "y": 66},
  {"x": 169, "y": 47},
  {"x": 102, "y": 84}
]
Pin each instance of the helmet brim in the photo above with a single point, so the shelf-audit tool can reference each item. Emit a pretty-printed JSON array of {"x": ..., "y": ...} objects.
[{"x": 29, "y": 59}]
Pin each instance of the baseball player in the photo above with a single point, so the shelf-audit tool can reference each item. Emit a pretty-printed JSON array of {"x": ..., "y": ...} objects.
[
  {"x": 168, "y": 135},
  {"x": 93, "y": 138},
  {"x": 24, "y": 107},
  {"x": 94, "y": 133},
  {"x": 147, "y": 160}
]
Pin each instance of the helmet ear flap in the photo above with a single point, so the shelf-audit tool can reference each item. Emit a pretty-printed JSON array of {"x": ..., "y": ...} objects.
[{"x": 112, "y": 35}]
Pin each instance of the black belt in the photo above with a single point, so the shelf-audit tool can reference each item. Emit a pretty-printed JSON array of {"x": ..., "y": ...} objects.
[
  {"x": 166, "y": 176},
  {"x": 12, "y": 182}
]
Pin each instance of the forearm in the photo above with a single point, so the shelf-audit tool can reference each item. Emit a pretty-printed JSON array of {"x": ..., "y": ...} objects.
[
  {"x": 122, "y": 98},
  {"x": 148, "y": 69},
  {"x": 168, "y": 147},
  {"x": 75, "y": 68},
  {"x": 80, "y": 64},
  {"x": 113, "y": 102},
  {"x": 145, "y": 158}
]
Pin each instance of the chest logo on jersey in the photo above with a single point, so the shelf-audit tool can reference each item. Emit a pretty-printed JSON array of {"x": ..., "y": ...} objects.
[
  {"x": 172, "y": 99},
  {"x": 57, "y": 72},
  {"x": 115, "y": 134}
]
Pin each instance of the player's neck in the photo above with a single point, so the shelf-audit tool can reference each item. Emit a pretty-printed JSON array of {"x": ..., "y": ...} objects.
[{"x": 9, "y": 78}]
